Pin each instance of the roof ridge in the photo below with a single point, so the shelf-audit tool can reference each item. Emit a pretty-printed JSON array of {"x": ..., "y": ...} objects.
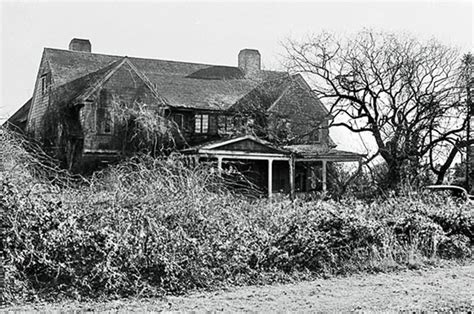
[
  {"x": 142, "y": 58},
  {"x": 153, "y": 59}
]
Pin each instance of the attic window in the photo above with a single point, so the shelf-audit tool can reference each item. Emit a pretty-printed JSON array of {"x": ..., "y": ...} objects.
[
  {"x": 44, "y": 84},
  {"x": 201, "y": 123}
]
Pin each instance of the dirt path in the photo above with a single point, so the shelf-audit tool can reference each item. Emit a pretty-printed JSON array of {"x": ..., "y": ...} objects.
[{"x": 448, "y": 288}]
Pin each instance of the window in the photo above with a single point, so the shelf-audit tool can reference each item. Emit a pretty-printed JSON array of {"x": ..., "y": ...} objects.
[
  {"x": 44, "y": 84},
  {"x": 178, "y": 119},
  {"x": 317, "y": 136},
  {"x": 224, "y": 124},
  {"x": 201, "y": 123},
  {"x": 104, "y": 121},
  {"x": 107, "y": 123}
]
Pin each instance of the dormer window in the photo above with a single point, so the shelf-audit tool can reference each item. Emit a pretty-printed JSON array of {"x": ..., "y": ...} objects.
[
  {"x": 201, "y": 123},
  {"x": 44, "y": 84}
]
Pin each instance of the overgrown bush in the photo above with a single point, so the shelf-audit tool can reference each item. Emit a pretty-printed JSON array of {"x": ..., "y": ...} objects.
[{"x": 149, "y": 226}]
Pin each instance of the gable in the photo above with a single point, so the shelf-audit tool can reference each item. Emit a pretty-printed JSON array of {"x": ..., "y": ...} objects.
[
  {"x": 41, "y": 96},
  {"x": 126, "y": 85},
  {"x": 74, "y": 91},
  {"x": 298, "y": 101},
  {"x": 244, "y": 144},
  {"x": 263, "y": 95}
]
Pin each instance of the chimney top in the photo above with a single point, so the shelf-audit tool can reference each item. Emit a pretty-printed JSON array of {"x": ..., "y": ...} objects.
[
  {"x": 78, "y": 44},
  {"x": 250, "y": 62}
]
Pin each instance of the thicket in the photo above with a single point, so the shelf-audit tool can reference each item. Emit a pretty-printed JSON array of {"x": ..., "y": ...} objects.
[{"x": 149, "y": 226}]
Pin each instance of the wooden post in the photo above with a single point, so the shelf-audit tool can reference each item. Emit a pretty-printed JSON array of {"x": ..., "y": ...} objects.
[
  {"x": 292, "y": 177},
  {"x": 270, "y": 177},
  {"x": 219, "y": 164},
  {"x": 325, "y": 187}
]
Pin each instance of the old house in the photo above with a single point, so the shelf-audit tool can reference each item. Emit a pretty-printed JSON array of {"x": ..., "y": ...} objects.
[{"x": 267, "y": 122}]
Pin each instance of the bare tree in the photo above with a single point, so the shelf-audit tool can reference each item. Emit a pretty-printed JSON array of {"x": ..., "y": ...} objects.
[
  {"x": 401, "y": 91},
  {"x": 463, "y": 140}
]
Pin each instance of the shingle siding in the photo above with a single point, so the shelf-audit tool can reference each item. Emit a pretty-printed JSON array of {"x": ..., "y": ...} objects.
[{"x": 40, "y": 101}]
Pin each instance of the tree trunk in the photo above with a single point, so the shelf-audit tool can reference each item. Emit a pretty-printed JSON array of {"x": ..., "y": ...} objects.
[{"x": 444, "y": 168}]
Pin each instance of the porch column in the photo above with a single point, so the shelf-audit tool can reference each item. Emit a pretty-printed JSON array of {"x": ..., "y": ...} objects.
[
  {"x": 270, "y": 177},
  {"x": 219, "y": 164},
  {"x": 325, "y": 187},
  {"x": 292, "y": 177}
]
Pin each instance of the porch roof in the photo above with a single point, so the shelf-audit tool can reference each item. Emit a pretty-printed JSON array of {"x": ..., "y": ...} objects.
[
  {"x": 316, "y": 152},
  {"x": 250, "y": 147},
  {"x": 242, "y": 147}
]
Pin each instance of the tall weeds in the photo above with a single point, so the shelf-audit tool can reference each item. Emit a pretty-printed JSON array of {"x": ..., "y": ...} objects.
[{"x": 149, "y": 226}]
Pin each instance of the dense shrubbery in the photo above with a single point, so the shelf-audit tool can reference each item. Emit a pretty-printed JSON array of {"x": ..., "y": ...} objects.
[{"x": 148, "y": 226}]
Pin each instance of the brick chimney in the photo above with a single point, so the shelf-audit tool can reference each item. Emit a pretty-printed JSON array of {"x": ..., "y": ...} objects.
[
  {"x": 249, "y": 62},
  {"x": 78, "y": 44}
]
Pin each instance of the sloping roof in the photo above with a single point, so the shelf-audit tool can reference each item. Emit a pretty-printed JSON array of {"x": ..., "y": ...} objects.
[
  {"x": 75, "y": 88},
  {"x": 182, "y": 84},
  {"x": 318, "y": 152},
  {"x": 19, "y": 118}
]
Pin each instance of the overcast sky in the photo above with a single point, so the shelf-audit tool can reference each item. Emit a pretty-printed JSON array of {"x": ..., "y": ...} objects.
[{"x": 205, "y": 32}]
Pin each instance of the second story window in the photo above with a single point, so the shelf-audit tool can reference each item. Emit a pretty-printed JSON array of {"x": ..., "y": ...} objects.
[
  {"x": 224, "y": 124},
  {"x": 104, "y": 121},
  {"x": 201, "y": 123},
  {"x": 104, "y": 118},
  {"x": 44, "y": 84}
]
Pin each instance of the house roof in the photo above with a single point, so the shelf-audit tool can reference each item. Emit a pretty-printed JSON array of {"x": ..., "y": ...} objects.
[
  {"x": 181, "y": 84},
  {"x": 71, "y": 90},
  {"x": 21, "y": 115}
]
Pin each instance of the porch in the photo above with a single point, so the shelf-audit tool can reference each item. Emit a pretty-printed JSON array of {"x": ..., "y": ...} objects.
[{"x": 289, "y": 170}]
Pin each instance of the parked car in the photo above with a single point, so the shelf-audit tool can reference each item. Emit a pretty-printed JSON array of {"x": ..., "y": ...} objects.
[{"x": 454, "y": 191}]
